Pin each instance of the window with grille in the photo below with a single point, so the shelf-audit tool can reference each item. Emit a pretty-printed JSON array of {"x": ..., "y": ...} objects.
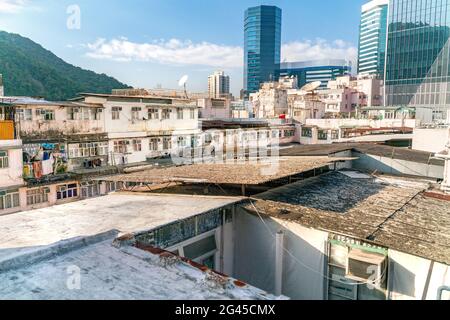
[
  {"x": 154, "y": 144},
  {"x": 9, "y": 199},
  {"x": 135, "y": 113},
  {"x": 37, "y": 196},
  {"x": 115, "y": 113},
  {"x": 137, "y": 145},
  {"x": 67, "y": 191},
  {"x": 180, "y": 112},
  {"x": 4, "y": 159},
  {"x": 167, "y": 143},
  {"x": 165, "y": 114},
  {"x": 121, "y": 146},
  {"x": 153, "y": 114},
  {"x": 322, "y": 135}
]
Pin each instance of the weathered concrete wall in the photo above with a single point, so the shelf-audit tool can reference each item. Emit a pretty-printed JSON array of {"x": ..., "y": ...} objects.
[
  {"x": 430, "y": 140},
  {"x": 396, "y": 166}
]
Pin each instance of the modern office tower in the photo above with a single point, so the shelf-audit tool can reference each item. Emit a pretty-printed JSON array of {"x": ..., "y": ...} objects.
[
  {"x": 315, "y": 70},
  {"x": 372, "y": 38},
  {"x": 417, "y": 62},
  {"x": 219, "y": 85},
  {"x": 262, "y": 29}
]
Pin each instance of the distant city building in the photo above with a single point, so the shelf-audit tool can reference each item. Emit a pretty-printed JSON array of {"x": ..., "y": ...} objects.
[
  {"x": 372, "y": 38},
  {"x": 262, "y": 51},
  {"x": 2, "y": 90},
  {"x": 219, "y": 85},
  {"x": 315, "y": 70},
  {"x": 417, "y": 63}
]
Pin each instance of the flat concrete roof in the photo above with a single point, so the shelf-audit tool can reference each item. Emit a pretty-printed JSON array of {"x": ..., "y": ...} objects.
[
  {"x": 392, "y": 212},
  {"x": 124, "y": 212},
  {"x": 111, "y": 272}
]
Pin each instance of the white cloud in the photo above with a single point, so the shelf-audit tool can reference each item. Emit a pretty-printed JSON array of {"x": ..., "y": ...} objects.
[
  {"x": 173, "y": 51},
  {"x": 12, "y": 6},
  {"x": 319, "y": 49},
  {"x": 185, "y": 52}
]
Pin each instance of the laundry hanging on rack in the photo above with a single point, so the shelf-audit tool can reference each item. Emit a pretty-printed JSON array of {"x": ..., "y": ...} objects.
[
  {"x": 37, "y": 168},
  {"x": 47, "y": 167}
]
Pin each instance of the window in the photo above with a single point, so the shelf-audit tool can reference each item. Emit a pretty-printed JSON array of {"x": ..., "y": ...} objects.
[
  {"x": 137, "y": 145},
  {"x": 9, "y": 199},
  {"x": 67, "y": 191},
  {"x": 121, "y": 146},
  {"x": 92, "y": 149},
  {"x": 116, "y": 113},
  {"x": 165, "y": 114},
  {"x": 90, "y": 189},
  {"x": 179, "y": 113},
  {"x": 43, "y": 114},
  {"x": 74, "y": 113},
  {"x": 112, "y": 186},
  {"x": 135, "y": 111},
  {"x": 307, "y": 132},
  {"x": 153, "y": 114},
  {"x": 154, "y": 144},
  {"x": 322, "y": 135},
  {"x": 334, "y": 134},
  {"x": 289, "y": 133},
  {"x": 37, "y": 196},
  {"x": 25, "y": 114},
  {"x": 192, "y": 113},
  {"x": 4, "y": 160},
  {"x": 181, "y": 141},
  {"x": 167, "y": 143}
]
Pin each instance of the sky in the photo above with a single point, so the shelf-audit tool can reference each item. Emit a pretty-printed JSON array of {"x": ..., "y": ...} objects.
[{"x": 150, "y": 43}]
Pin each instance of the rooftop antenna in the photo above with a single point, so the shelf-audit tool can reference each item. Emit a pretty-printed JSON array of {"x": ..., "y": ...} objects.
[{"x": 182, "y": 83}]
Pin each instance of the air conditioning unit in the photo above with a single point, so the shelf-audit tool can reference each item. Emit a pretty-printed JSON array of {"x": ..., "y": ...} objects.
[{"x": 366, "y": 266}]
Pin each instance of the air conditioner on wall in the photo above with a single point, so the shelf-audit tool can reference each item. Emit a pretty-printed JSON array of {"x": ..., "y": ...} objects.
[{"x": 366, "y": 266}]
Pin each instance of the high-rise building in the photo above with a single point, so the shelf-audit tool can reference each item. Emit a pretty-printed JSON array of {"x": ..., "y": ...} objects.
[
  {"x": 262, "y": 50},
  {"x": 372, "y": 38},
  {"x": 219, "y": 85},
  {"x": 418, "y": 56},
  {"x": 315, "y": 70}
]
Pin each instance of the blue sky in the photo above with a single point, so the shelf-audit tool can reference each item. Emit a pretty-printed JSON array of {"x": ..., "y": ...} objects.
[{"x": 146, "y": 43}]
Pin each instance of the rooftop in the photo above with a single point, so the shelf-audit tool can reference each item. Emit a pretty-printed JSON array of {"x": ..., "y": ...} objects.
[
  {"x": 112, "y": 272},
  {"x": 126, "y": 213},
  {"x": 236, "y": 174},
  {"x": 393, "y": 212}
]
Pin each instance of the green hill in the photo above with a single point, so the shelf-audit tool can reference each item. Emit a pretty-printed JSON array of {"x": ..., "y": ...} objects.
[{"x": 30, "y": 70}]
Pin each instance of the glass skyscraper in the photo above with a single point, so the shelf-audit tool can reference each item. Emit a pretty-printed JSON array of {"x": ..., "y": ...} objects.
[
  {"x": 417, "y": 62},
  {"x": 316, "y": 70},
  {"x": 372, "y": 38},
  {"x": 262, "y": 27}
]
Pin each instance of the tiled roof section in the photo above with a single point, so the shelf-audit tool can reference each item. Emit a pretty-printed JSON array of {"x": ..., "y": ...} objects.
[
  {"x": 245, "y": 173},
  {"x": 391, "y": 212}
]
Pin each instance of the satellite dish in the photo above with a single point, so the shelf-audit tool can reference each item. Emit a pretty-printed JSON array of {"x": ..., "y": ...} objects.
[
  {"x": 309, "y": 87},
  {"x": 183, "y": 80}
]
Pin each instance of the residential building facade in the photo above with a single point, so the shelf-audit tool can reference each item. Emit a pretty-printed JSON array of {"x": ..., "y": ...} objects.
[
  {"x": 372, "y": 38},
  {"x": 262, "y": 47}
]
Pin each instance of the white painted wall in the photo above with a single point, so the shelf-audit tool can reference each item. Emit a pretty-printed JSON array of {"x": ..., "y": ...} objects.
[
  {"x": 430, "y": 140},
  {"x": 255, "y": 256},
  {"x": 12, "y": 176}
]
